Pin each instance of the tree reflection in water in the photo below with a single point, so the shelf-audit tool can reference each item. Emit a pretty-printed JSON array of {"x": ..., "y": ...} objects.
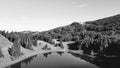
[
  {"x": 102, "y": 62},
  {"x": 60, "y": 53},
  {"x": 49, "y": 53},
  {"x": 46, "y": 54},
  {"x": 18, "y": 65},
  {"x": 26, "y": 61}
]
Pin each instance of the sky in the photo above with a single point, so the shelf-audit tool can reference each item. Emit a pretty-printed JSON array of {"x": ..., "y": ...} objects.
[{"x": 41, "y": 15}]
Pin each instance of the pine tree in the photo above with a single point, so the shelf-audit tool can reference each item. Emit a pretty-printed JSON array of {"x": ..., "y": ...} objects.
[
  {"x": 26, "y": 42},
  {"x": 29, "y": 43},
  {"x": 15, "y": 50}
]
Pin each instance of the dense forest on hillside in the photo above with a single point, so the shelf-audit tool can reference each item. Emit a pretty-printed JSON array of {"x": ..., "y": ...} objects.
[
  {"x": 99, "y": 37},
  {"x": 19, "y": 40}
]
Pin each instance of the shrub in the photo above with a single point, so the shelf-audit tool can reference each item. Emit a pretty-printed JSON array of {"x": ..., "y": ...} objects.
[{"x": 1, "y": 54}]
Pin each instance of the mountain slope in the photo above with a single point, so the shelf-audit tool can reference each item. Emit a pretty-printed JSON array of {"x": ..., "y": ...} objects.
[
  {"x": 4, "y": 42},
  {"x": 64, "y": 33},
  {"x": 111, "y": 23}
]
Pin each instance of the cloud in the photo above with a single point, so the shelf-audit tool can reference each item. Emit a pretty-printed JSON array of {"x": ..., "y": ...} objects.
[{"x": 82, "y": 5}]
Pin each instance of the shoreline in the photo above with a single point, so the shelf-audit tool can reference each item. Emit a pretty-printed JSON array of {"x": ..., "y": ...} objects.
[
  {"x": 30, "y": 53},
  {"x": 3, "y": 65},
  {"x": 81, "y": 53}
]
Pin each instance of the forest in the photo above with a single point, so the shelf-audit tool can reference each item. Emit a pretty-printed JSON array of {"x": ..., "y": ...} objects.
[{"x": 99, "y": 38}]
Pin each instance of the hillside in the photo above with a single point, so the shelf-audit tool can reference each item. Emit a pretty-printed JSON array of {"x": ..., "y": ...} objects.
[
  {"x": 99, "y": 37},
  {"x": 111, "y": 23},
  {"x": 94, "y": 37},
  {"x": 65, "y": 33},
  {"x": 4, "y": 42},
  {"x": 106, "y": 26}
]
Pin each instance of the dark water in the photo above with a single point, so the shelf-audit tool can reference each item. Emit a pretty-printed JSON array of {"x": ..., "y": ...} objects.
[
  {"x": 101, "y": 62},
  {"x": 54, "y": 60}
]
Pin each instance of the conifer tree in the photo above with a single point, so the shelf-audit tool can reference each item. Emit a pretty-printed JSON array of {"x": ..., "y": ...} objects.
[{"x": 15, "y": 50}]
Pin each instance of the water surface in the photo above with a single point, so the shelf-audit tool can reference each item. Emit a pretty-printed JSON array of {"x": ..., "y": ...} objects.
[{"x": 54, "y": 60}]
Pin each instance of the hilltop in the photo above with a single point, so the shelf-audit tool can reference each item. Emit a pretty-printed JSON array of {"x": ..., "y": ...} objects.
[{"x": 111, "y": 23}]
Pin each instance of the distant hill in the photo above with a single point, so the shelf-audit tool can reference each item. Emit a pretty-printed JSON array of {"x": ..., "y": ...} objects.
[
  {"x": 65, "y": 33},
  {"x": 111, "y": 23},
  {"x": 107, "y": 26}
]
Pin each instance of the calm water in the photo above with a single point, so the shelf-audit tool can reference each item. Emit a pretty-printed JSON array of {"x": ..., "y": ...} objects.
[{"x": 54, "y": 60}]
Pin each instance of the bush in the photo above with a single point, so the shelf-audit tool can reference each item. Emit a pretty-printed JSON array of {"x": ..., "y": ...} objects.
[{"x": 1, "y": 54}]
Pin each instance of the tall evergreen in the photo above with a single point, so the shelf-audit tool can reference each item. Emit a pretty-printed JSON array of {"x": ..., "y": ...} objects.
[
  {"x": 26, "y": 41},
  {"x": 29, "y": 43},
  {"x": 15, "y": 50}
]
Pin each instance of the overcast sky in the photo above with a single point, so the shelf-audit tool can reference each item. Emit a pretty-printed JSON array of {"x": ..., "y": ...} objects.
[{"x": 40, "y": 15}]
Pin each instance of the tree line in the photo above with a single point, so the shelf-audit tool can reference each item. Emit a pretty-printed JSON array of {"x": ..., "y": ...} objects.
[
  {"x": 99, "y": 37},
  {"x": 19, "y": 40}
]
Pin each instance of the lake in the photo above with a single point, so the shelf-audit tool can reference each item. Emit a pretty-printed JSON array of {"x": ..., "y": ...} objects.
[{"x": 54, "y": 60}]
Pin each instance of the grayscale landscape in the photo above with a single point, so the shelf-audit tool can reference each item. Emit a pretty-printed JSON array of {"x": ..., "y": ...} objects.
[{"x": 59, "y": 34}]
